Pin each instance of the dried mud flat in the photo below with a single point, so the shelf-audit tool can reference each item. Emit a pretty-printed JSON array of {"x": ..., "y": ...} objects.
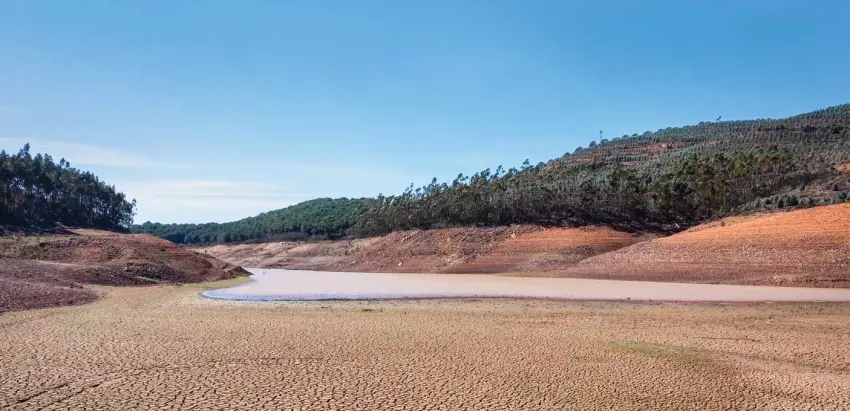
[{"x": 164, "y": 347}]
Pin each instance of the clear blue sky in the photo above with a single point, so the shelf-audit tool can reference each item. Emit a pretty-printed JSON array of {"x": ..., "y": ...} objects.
[{"x": 214, "y": 110}]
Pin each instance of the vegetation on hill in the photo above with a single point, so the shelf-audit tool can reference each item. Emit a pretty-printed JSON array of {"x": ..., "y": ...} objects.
[
  {"x": 323, "y": 218},
  {"x": 674, "y": 177},
  {"x": 35, "y": 191},
  {"x": 666, "y": 180}
]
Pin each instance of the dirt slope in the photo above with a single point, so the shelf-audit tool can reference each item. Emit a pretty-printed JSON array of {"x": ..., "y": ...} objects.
[
  {"x": 41, "y": 271},
  {"x": 520, "y": 249},
  {"x": 809, "y": 247}
]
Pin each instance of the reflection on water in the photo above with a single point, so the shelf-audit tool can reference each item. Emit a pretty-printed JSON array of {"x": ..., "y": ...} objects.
[{"x": 272, "y": 284}]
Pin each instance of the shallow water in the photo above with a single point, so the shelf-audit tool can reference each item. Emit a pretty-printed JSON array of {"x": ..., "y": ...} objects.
[{"x": 274, "y": 284}]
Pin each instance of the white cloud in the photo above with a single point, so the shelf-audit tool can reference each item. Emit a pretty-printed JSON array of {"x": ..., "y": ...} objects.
[
  {"x": 200, "y": 201},
  {"x": 85, "y": 154}
]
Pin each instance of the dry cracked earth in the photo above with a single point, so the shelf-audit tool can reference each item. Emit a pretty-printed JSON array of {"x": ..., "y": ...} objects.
[{"x": 164, "y": 347}]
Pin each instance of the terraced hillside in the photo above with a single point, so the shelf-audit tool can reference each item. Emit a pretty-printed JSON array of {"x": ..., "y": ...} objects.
[{"x": 823, "y": 132}]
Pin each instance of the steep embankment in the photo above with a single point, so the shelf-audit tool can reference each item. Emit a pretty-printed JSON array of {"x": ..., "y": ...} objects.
[
  {"x": 809, "y": 247},
  {"x": 529, "y": 250},
  {"x": 43, "y": 271}
]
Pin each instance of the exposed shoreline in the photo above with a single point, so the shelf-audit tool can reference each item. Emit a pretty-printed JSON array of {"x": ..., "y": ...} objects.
[{"x": 801, "y": 248}]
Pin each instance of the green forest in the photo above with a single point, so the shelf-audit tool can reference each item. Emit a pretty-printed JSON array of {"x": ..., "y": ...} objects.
[
  {"x": 38, "y": 192},
  {"x": 324, "y": 218},
  {"x": 660, "y": 181}
]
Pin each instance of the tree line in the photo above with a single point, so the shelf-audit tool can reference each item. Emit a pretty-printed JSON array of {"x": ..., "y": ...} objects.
[
  {"x": 674, "y": 195},
  {"x": 656, "y": 181},
  {"x": 322, "y": 218},
  {"x": 664, "y": 180},
  {"x": 36, "y": 191}
]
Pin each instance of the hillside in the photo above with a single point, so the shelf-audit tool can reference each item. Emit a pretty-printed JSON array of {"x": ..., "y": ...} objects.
[
  {"x": 37, "y": 193},
  {"x": 662, "y": 182},
  {"x": 526, "y": 250},
  {"x": 824, "y": 130},
  {"x": 325, "y": 218},
  {"x": 47, "y": 270},
  {"x": 658, "y": 182},
  {"x": 798, "y": 248},
  {"x": 801, "y": 248}
]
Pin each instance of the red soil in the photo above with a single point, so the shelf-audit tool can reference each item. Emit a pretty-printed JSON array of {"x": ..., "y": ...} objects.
[
  {"x": 42, "y": 271},
  {"x": 806, "y": 247},
  {"x": 809, "y": 247},
  {"x": 546, "y": 250}
]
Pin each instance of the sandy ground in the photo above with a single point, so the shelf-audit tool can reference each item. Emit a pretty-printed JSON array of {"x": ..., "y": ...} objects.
[
  {"x": 271, "y": 284},
  {"x": 164, "y": 347}
]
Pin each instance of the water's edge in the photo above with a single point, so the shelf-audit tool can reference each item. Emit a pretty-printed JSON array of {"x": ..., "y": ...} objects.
[{"x": 294, "y": 285}]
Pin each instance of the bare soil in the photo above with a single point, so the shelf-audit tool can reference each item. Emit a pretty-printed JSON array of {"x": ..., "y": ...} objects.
[
  {"x": 800, "y": 248},
  {"x": 530, "y": 250},
  {"x": 49, "y": 270},
  {"x": 163, "y": 347}
]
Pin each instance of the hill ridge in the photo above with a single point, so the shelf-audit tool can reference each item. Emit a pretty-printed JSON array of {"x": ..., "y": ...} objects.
[{"x": 662, "y": 181}]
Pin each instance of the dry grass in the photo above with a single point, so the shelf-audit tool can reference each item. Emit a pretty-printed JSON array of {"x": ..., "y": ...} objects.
[{"x": 163, "y": 347}]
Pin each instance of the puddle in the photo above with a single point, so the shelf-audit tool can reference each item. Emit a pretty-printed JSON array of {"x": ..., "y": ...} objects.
[{"x": 282, "y": 285}]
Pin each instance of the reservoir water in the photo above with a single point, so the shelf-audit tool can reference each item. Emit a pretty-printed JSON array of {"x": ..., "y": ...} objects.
[{"x": 282, "y": 285}]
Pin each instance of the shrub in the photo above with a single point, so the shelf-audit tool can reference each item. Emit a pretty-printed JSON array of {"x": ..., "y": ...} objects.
[{"x": 792, "y": 201}]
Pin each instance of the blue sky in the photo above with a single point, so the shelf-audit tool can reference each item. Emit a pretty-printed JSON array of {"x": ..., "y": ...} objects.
[{"x": 216, "y": 110}]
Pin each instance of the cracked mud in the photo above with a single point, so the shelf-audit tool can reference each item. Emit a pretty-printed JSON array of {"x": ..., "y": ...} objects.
[{"x": 163, "y": 347}]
